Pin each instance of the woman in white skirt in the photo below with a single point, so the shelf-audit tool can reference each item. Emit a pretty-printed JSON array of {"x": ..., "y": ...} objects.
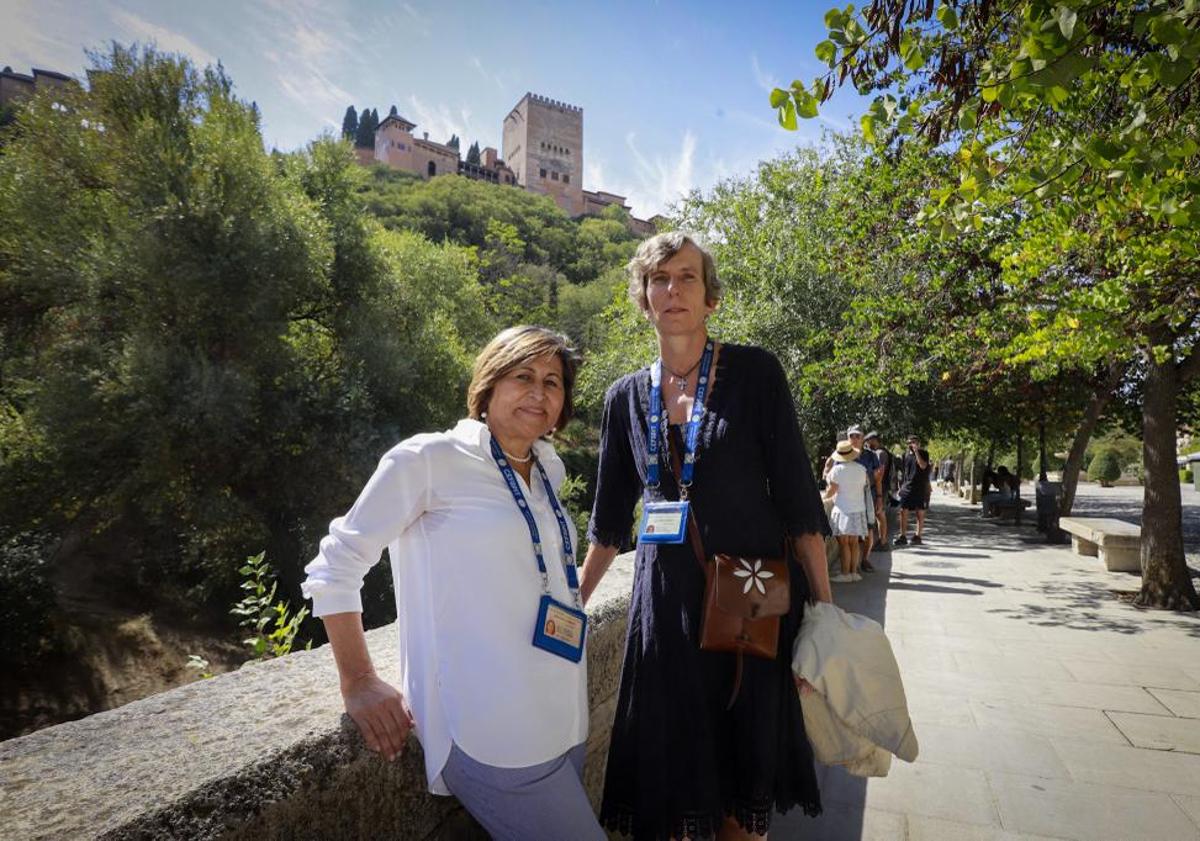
[{"x": 847, "y": 488}]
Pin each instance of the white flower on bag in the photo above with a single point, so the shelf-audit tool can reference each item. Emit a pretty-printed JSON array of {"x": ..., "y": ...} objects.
[{"x": 754, "y": 575}]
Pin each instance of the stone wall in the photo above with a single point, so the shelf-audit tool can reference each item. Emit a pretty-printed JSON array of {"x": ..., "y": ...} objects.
[{"x": 263, "y": 752}]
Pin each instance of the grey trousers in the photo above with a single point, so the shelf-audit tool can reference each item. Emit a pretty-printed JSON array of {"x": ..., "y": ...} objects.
[{"x": 543, "y": 802}]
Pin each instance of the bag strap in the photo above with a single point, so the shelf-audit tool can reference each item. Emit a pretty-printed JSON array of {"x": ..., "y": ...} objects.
[{"x": 692, "y": 529}]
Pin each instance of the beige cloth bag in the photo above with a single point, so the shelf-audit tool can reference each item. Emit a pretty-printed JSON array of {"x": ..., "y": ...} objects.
[{"x": 858, "y": 715}]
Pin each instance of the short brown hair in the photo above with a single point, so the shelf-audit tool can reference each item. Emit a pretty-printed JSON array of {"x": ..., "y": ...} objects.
[
  {"x": 513, "y": 348},
  {"x": 655, "y": 251}
]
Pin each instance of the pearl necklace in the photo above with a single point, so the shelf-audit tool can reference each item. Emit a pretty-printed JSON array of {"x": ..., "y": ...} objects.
[{"x": 511, "y": 457}]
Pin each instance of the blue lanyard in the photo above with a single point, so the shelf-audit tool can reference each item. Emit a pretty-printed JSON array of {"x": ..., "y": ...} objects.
[
  {"x": 514, "y": 486},
  {"x": 693, "y": 430}
]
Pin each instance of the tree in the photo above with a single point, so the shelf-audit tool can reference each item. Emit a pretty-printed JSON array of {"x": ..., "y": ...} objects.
[
  {"x": 1105, "y": 467},
  {"x": 1077, "y": 123},
  {"x": 393, "y": 112},
  {"x": 364, "y": 137},
  {"x": 473, "y": 155},
  {"x": 204, "y": 348},
  {"x": 350, "y": 124},
  {"x": 453, "y": 141}
]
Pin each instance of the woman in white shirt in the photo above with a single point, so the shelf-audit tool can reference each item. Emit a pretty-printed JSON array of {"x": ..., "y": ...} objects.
[
  {"x": 492, "y": 667},
  {"x": 848, "y": 519}
]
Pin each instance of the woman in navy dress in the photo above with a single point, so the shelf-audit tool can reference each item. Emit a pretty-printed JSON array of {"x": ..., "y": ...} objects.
[{"x": 683, "y": 763}]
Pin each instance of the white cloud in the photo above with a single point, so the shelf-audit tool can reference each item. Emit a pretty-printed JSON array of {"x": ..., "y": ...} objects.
[
  {"x": 305, "y": 43},
  {"x": 766, "y": 81},
  {"x": 442, "y": 121},
  {"x": 487, "y": 74},
  {"x": 144, "y": 31},
  {"x": 653, "y": 184},
  {"x": 46, "y": 35}
]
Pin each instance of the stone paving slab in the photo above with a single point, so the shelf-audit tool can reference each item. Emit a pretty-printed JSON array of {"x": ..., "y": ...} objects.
[
  {"x": 1130, "y": 767},
  {"x": 1180, "y": 703},
  {"x": 1038, "y": 697},
  {"x": 1159, "y": 732},
  {"x": 1069, "y": 809}
]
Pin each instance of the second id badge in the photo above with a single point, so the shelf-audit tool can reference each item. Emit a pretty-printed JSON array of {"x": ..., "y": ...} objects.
[
  {"x": 663, "y": 522},
  {"x": 560, "y": 629}
]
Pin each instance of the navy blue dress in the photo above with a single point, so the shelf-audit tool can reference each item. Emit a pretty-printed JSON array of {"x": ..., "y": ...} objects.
[{"x": 679, "y": 761}]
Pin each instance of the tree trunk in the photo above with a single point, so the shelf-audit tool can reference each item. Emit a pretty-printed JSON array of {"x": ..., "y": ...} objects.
[
  {"x": 1020, "y": 456},
  {"x": 1166, "y": 580},
  {"x": 1100, "y": 398},
  {"x": 1042, "y": 451}
]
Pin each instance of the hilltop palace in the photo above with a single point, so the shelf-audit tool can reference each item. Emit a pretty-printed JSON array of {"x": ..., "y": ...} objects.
[{"x": 543, "y": 153}]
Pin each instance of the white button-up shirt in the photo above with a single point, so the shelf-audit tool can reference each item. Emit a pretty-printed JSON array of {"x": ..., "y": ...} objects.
[{"x": 467, "y": 596}]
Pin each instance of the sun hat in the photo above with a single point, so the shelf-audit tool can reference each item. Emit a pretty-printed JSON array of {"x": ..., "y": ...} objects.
[
  {"x": 845, "y": 452},
  {"x": 854, "y": 430},
  {"x": 872, "y": 434}
]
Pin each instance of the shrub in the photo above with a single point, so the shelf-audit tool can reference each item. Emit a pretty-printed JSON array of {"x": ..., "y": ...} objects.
[
  {"x": 1105, "y": 467},
  {"x": 26, "y": 597},
  {"x": 1186, "y": 476}
]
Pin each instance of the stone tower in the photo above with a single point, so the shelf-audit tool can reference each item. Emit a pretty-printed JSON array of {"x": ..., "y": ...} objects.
[{"x": 543, "y": 143}]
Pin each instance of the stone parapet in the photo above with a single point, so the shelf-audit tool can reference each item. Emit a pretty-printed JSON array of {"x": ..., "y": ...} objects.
[{"x": 265, "y": 751}]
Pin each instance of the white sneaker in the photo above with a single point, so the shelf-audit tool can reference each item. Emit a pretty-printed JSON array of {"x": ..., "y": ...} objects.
[
  {"x": 855, "y": 577},
  {"x": 843, "y": 578}
]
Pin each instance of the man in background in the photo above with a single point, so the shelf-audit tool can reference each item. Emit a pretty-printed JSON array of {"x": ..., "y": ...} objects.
[{"x": 914, "y": 489}]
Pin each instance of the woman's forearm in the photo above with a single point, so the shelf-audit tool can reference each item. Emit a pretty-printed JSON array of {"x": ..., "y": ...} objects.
[
  {"x": 349, "y": 645},
  {"x": 595, "y": 564},
  {"x": 810, "y": 550}
]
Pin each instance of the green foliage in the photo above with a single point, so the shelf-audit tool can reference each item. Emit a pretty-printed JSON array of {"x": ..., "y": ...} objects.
[
  {"x": 350, "y": 124},
  {"x": 1105, "y": 468},
  {"x": 1186, "y": 476},
  {"x": 200, "y": 666},
  {"x": 364, "y": 135},
  {"x": 26, "y": 598},
  {"x": 272, "y": 625},
  {"x": 205, "y": 348},
  {"x": 473, "y": 154}
]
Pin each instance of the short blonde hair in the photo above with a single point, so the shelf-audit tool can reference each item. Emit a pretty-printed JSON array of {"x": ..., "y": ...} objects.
[
  {"x": 653, "y": 252},
  {"x": 513, "y": 348}
]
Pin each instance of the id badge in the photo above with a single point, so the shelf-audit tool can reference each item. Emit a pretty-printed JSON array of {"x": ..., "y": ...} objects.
[
  {"x": 663, "y": 522},
  {"x": 560, "y": 629}
]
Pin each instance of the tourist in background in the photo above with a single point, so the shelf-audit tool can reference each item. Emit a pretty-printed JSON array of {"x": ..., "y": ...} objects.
[
  {"x": 914, "y": 490},
  {"x": 481, "y": 556},
  {"x": 883, "y": 478},
  {"x": 848, "y": 488}
]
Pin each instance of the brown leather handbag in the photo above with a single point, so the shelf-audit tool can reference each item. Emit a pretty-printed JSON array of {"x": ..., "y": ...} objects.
[{"x": 743, "y": 599}]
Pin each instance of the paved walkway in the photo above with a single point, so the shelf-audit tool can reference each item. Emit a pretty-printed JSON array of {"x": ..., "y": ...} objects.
[{"x": 1045, "y": 707}]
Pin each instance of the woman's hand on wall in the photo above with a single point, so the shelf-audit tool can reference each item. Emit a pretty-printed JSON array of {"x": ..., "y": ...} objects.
[{"x": 379, "y": 710}]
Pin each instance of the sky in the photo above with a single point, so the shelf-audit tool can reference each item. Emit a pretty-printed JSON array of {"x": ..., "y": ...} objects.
[{"x": 674, "y": 93}]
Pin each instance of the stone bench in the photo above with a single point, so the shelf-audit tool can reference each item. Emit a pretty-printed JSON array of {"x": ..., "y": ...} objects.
[
  {"x": 1117, "y": 543},
  {"x": 264, "y": 752}
]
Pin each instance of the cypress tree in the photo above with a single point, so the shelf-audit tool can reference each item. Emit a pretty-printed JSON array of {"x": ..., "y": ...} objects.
[
  {"x": 473, "y": 153},
  {"x": 350, "y": 124}
]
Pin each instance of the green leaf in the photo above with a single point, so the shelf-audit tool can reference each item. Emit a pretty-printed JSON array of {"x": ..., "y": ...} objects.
[
  {"x": 834, "y": 19},
  {"x": 947, "y": 17},
  {"x": 787, "y": 115},
  {"x": 867, "y": 123},
  {"x": 912, "y": 52},
  {"x": 968, "y": 118},
  {"x": 778, "y": 97},
  {"x": 806, "y": 105},
  {"x": 827, "y": 52},
  {"x": 1066, "y": 20}
]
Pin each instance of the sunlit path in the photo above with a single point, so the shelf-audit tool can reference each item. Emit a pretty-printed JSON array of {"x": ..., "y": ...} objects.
[{"x": 1045, "y": 706}]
